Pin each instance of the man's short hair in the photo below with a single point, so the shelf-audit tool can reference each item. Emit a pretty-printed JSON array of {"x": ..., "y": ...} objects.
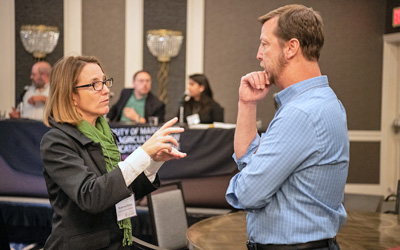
[
  {"x": 140, "y": 71},
  {"x": 44, "y": 67},
  {"x": 302, "y": 23}
]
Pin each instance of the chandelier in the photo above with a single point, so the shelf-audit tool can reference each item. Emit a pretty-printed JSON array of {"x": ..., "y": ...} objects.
[
  {"x": 39, "y": 39},
  {"x": 164, "y": 44}
]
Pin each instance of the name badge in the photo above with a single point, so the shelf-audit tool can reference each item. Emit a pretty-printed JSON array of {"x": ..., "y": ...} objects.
[
  {"x": 193, "y": 119},
  {"x": 126, "y": 208}
]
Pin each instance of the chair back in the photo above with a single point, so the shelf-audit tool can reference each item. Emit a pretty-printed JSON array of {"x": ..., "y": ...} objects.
[{"x": 169, "y": 219}]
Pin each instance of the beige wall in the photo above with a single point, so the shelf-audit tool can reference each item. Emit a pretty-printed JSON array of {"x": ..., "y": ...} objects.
[
  {"x": 7, "y": 50},
  {"x": 351, "y": 57}
]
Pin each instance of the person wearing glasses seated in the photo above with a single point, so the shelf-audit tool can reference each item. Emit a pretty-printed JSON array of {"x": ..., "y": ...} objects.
[
  {"x": 91, "y": 191},
  {"x": 137, "y": 104},
  {"x": 33, "y": 99},
  {"x": 199, "y": 105}
]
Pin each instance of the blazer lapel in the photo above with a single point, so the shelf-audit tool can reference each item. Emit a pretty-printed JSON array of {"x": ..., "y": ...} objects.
[{"x": 97, "y": 156}]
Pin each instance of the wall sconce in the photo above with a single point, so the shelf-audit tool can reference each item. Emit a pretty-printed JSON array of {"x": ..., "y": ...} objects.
[
  {"x": 39, "y": 39},
  {"x": 164, "y": 44}
]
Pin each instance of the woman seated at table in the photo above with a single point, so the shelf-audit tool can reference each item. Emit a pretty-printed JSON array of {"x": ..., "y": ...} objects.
[
  {"x": 200, "y": 104},
  {"x": 91, "y": 190}
]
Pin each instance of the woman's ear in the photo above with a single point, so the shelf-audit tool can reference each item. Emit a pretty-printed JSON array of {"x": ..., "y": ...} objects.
[
  {"x": 74, "y": 100},
  {"x": 202, "y": 88}
]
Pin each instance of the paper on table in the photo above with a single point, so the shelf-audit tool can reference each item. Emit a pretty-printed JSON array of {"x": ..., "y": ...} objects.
[{"x": 224, "y": 125}]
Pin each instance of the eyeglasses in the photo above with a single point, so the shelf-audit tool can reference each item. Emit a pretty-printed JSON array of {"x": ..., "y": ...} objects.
[{"x": 97, "y": 86}]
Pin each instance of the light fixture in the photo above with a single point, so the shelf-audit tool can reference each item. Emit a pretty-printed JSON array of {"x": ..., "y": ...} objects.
[
  {"x": 164, "y": 44},
  {"x": 39, "y": 39}
]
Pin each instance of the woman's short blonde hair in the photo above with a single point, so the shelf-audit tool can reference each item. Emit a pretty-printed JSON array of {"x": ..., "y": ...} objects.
[{"x": 63, "y": 79}]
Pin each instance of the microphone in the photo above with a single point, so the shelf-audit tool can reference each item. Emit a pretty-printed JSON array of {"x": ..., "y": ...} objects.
[
  {"x": 185, "y": 98},
  {"x": 21, "y": 96}
]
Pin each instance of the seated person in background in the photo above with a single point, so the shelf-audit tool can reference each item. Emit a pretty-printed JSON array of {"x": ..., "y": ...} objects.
[
  {"x": 201, "y": 101},
  {"x": 34, "y": 99},
  {"x": 139, "y": 103}
]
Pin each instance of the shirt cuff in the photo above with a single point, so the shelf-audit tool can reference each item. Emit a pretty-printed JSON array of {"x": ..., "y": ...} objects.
[
  {"x": 242, "y": 161},
  {"x": 134, "y": 165},
  {"x": 152, "y": 170}
]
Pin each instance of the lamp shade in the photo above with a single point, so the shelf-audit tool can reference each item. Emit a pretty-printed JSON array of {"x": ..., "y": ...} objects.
[
  {"x": 164, "y": 44},
  {"x": 39, "y": 39}
]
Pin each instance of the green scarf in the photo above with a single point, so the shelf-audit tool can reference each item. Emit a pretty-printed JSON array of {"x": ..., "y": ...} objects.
[{"x": 102, "y": 134}]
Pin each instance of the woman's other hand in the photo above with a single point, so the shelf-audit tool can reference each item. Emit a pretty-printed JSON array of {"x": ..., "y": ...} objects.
[{"x": 159, "y": 146}]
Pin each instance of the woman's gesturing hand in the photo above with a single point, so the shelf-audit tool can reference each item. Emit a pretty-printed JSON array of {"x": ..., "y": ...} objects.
[{"x": 159, "y": 146}]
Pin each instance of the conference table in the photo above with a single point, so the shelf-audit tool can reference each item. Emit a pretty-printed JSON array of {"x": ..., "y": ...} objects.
[
  {"x": 209, "y": 153},
  {"x": 362, "y": 231},
  {"x": 209, "y": 156}
]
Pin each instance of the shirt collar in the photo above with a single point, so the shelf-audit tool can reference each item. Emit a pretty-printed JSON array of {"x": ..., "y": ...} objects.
[
  {"x": 286, "y": 95},
  {"x": 45, "y": 87},
  {"x": 144, "y": 97},
  {"x": 71, "y": 130}
]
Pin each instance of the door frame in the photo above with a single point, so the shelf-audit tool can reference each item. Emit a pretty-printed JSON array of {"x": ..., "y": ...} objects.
[{"x": 389, "y": 140}]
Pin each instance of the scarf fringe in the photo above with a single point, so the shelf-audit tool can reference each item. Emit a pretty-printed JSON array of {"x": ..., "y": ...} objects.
[{"x": 127, "y": 227}]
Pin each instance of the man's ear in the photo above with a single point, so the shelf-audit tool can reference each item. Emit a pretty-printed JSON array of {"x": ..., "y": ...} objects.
[{"x": 292, "y": 48}]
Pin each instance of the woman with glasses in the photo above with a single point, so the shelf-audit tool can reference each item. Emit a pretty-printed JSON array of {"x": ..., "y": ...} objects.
[{"x": 91, "y": 190}]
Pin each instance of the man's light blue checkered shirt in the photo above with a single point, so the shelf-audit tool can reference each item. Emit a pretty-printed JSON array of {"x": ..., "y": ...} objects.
[{"x": 293, "y": 186}]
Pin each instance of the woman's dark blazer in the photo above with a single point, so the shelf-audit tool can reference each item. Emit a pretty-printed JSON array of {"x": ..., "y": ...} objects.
[
  {"x": 153, "y": 107},
  {"x": 83, "y": 195}
]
